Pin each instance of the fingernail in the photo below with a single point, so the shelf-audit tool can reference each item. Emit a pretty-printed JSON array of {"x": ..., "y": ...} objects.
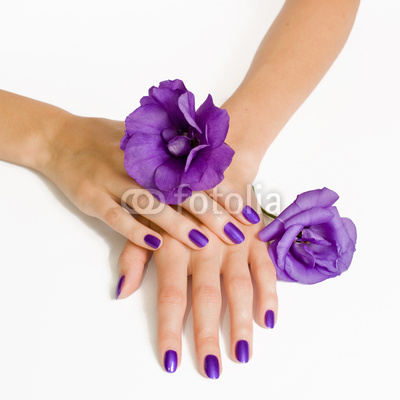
[
  {"x": 233, "y": 233},
  {"x": 198, "y": 238},
  {"x": 242, "y": 351},
  {"x": 152, "y": 241},
  {"x": 269, "y": 319},
  {"x": 251, "y": 215},
  {"x": 211, "y": 366},
  {"x": 119, "y": 286},
  {"x": 170, "y": 361}
]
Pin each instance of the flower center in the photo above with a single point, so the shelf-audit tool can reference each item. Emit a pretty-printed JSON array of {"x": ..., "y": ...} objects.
[{"x": 180, "y": 146}]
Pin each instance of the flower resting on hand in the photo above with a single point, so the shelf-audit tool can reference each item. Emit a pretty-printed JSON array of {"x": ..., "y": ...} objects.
[
  {"x": 310, "y": 241},
  {"x": 170, "y": 148}
]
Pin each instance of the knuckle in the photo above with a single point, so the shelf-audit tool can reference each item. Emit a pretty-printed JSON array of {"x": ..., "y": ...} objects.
[
  {"x": 207, "y": 294},
  {"x": 171, "y": 295},
  {"x": 168, "y": 335},
  {"x": 240, "y": 285},
  {"x": 206, "y": 339},
  {"x": 112, "y": 217},
  {"x": 141, "y": 199}
]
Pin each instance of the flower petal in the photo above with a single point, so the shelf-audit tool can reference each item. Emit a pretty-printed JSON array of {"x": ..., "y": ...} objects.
[
  {"x": 314, "y": 216},
  {"x": 168, "y": 98},
  {"x": 272, "y": 231},
  {"x": 216, "y": 161},
  {"x": 179, "y": 146},
  {"x": 281, "y": 274},
  {"x": 175, "y": 84},
  {"x": 316, "y": 198},
  {"x": 193, "y": 154},
  {"x": 124, "y": 141},
  {"x": 215, "y": 119},
  {"x": 168, "y": 175},
  {"x": 286, "y": 242},
  {"x": 149, "y": 119},
  {"x": 143, "y": 155},
  {"x": 187, "y": 107}
]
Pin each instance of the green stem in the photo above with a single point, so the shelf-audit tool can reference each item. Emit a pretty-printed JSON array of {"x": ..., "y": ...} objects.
[{"x": 265, "y": 212}]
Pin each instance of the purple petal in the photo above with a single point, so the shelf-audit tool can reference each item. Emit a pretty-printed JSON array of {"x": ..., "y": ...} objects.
[
  {"x": 301, "y": 253},
  {"x": 168, "y": 175},
  {"x": 169, "y": 133},
  {"x": 272, "y": 231},
  {"x": 281, "y": 274},
  {"x": 351, "y": 229},
  {"x": 216, "y": 161},
  {"x": 215, "y": 119},
  {"x": 175, "y": 84},
  {"x": 146, "y": 100},
  {"x": 287, "y": 241},
  {"x": 309, "y": 235},
  {"x": 124, "y": 141},
  {"x": 314, "y": 216},
  {"x": 193, "y": 154},
  {"x": 143, "y": 155},
  {"x": 150, "y": 119},
  {"x": 176, "y": 196},
  {"x": 179, "y": 146},
  {"x": 168, "y": 98},
  {"x": 316, "y": 198},
  {"x": 186, "y": 105}
]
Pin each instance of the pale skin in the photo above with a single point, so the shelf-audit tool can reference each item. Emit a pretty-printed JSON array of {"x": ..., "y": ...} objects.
[{"x": 296, "y": 52}]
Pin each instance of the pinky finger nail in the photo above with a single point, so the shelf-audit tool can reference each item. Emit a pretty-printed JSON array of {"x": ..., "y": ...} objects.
[{"x": 119, "y": 286}]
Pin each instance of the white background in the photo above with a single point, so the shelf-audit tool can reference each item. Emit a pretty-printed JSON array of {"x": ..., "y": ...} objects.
[{"x": 62, "y": 335}]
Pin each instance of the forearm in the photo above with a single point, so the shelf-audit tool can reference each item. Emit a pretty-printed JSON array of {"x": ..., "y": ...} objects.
[
  {"x": 298, "y": 49},
  {"x": 26, "y": 129}
]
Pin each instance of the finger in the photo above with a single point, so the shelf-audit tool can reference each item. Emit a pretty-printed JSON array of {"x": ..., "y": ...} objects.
[
  {"x": 121, "y": 221},
  {"x": 215, "y": 217},
  {"x": 171, "y": 264},
  {"x": 239, "y": 290},
  {"x": 206, "y": 292},
  {"x": 131, "y": 265},
  {"x": 239, "y": 204},
  {"x": 174, "y": 223},
  {"x": 264, "y": 274}
]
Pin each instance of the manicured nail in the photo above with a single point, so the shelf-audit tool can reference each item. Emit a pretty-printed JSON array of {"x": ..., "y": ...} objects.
[
  {"x": 269, "y": 319},
  {"x": 242, "y": 351},
  {"x": 198, "y": 238},
  {"x": 211, "y": 366},
  {"x": 251, "y": 215},
  {"x": 119, "y": 286},
  {"x": 170, "y": 361},
  {"x": 152, "y": 241},
  {"x": 233, "y": 233}
]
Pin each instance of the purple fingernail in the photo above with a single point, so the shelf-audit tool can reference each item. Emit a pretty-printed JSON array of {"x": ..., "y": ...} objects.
[
  {"x": 119, "y": 286},
  {"x": 170, "y": 361},
  {"x": 211, "y": 366},
  {"x": 251, "y": 215},
  {"x": 270, "y": 319},
  {"x": 198, "y": 238},
  {"x": 233, "y": 233},
  {"x": 152, "y": 241},
  {"x": 242, "y": 351}
]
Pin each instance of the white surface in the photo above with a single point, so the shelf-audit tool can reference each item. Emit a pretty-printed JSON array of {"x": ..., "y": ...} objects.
[{"x": 63, "y": 336}]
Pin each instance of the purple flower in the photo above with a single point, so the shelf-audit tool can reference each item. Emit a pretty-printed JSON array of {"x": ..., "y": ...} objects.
[
  {"x": 310, "y": 241},
  {"x": 170, "y": 148}
]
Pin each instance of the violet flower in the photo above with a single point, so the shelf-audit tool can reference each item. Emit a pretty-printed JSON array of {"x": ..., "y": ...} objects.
[
  {"x": 310, "y": 241},
  {"x": 170, "y": 148}
]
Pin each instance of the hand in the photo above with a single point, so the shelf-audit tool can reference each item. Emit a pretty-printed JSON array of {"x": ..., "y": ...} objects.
[
  {"x": 175, "y": 262},
  {"x": 87, "y": 164}
]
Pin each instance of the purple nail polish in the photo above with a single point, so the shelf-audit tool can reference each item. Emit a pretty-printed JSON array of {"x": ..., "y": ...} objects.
[
  {"x": 170, "y": 361},
  {"x": 152, "y": 241},
  {"x": 270, "y": 319},
  {"x": 211, "y": 366},
  {"x": 233, "y": 233},
  {"x": 242, "y": 351},
  {"x": 251, "y": 215},
  {"x": 119, "y": 286},
  {"x": 198, "y": 238}
]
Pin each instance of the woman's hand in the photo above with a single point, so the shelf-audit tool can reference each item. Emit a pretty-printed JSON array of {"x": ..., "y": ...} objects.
[
  {"x": 87, "y": 164},
  {"x": 237, "y": 264}
]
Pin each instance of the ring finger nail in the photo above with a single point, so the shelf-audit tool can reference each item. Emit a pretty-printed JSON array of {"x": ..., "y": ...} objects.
[
  {"x": 170, "y": 361},
  {"x": 211, "y": 366},
  {"x": 242, "y": 351},
  {"x": 233, "y": 233},
  {"x": 152, "y": 241},
  {"x": 198, "y": 238},
  {"x": 269, "y": 319}
]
